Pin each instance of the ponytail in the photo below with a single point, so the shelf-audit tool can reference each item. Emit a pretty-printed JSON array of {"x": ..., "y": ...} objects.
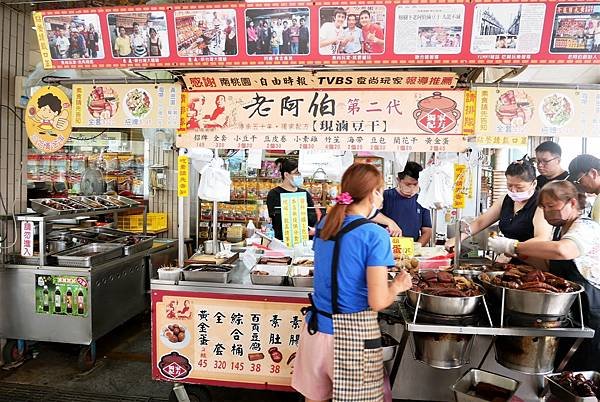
[{"x": 333, "y": 221}]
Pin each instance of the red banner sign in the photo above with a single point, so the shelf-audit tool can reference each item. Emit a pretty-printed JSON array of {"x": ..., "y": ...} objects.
[{"x": 445, "y": 32}]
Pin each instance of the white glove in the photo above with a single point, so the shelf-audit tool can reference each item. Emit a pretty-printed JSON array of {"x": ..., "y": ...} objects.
[
  {"x": 465, "y": 228},
  {"x": 502, "y": 245}
]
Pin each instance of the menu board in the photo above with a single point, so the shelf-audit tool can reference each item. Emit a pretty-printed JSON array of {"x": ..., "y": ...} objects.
[
  {"x": 218, "y": 339},
  {"x": 518, "y": 112},
  {"x": 124, "y": 105},
  {"x": 238, "y": 34},
  {"x": 376, "y": 120}
]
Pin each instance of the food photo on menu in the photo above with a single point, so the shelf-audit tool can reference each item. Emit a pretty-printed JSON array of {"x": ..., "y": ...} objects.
[
  {"x": 277, "y": 31},
  {"x": 138, "y": 35},
  {"x": 74, "y": 37},
  {"x": 206, "y": 32},
  {"x": 429, "y": 29},
  {"x": 352, "y": 30},
  {"x": 576, "y": 29},
  {"x": 507, "y": 28}
]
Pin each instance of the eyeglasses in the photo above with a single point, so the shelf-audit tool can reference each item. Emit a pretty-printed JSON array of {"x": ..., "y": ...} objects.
[
  {"x": 578, "y": 181},
  {"x": 543, "y": 162}
]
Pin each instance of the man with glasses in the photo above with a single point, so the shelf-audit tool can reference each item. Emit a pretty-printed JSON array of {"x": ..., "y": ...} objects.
[
  {"x": 548, "y": 155},
  {"x": 401, "y": 212},
  {"x": 584, "y": 171}
]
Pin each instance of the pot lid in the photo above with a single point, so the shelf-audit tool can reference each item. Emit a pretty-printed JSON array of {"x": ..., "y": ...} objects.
[{"x": 436, "y": 101}]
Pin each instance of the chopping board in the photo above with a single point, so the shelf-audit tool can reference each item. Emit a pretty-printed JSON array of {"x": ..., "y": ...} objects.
[{"x": 211, "y": 259}]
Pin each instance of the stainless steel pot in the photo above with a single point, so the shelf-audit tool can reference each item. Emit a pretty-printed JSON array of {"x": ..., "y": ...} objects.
[
  {"x": 54, "y": 246},
  {"x": 527, "y": 354},
  {"x": 443, "y": 351},
  {"x": 445, "y": 305},
  {"x": 526, "y": 302}
]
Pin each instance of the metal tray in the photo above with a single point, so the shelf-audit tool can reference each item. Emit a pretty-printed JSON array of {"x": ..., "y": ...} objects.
[
  {"x": 144, "y": 244},
  {"x": 90, "y": 203},
  {"x": 89, "y": 255},
  {"x": 104, "y": 200},
  {"x": 564, "y": 395},
  {"x": 73, "y": 203},
  {"x": 40, "y": 208},
  {"x": 475, "y": 376},
  {"x": 199, "y": 274},
  {"x": 276, "y": 277},
  {"x": 303, "y": 281},
  {"x": 33, "y": 260},
  {"x": 128, "y": 202}
]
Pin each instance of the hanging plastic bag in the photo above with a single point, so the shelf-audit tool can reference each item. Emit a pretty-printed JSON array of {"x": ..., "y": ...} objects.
[{"x": 215, "y": 182}]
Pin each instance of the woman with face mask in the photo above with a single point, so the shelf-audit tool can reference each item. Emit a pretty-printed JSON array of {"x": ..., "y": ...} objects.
[
  {"x": 340, "y": 355},
  {"x": 517, "y": 214},
  {"x": 291, "y": 182},
  {"x": 574, "y": 254}
]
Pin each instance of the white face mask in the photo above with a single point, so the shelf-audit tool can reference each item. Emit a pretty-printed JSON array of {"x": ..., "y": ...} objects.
[
  {"x": 377, "y": 205},
  {"x": 522, "y": 195}
]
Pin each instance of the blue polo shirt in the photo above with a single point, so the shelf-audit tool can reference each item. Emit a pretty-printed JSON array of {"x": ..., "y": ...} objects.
[
  {"x": 406, "y": 212},
  {"x": 366, "y": 246}
]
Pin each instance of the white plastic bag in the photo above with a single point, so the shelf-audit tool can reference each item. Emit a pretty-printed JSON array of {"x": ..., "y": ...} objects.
[{"x": 215, "y": 182}]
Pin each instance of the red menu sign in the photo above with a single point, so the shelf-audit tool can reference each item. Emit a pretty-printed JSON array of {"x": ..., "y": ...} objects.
[{"x": 444, "y": 32}]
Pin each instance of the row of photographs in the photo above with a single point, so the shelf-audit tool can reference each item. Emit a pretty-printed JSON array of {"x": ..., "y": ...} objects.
[{"x": 418, "y": 29}]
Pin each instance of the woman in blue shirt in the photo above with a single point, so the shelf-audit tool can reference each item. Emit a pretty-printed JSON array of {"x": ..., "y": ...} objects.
[{"x": 340, "y": 354}]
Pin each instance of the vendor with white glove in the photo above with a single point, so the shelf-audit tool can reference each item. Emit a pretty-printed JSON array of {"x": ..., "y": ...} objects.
[
  {"x": 574, "y": 255},
  {"x": 517, "y": 214}
]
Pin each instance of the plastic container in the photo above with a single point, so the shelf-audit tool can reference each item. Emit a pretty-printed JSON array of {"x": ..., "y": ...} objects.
[
  {"x": 170, "y": 274},
  {"x": 250, "y": 229},
  {"x": 437, "y": 263},
  {"x": 157, "y": 222}
]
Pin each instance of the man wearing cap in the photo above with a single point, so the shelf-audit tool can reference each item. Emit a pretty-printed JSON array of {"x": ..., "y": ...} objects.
[
  {"x": 584, "y": 171},
  {"x": 548, "y": 155},
  {"x": 401, "y": 212}
]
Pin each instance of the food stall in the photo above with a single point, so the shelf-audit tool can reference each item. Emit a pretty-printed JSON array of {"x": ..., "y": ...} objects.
[{"x": 72, "y": 285}]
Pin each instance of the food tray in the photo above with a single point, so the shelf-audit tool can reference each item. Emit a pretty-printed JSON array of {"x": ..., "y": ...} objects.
[
  {"x": 33, "y": 260},
  {"x": 124, "y": 200},
  {"x": 474, "y": 376},
  {"x": 90, "y": 203},
  {"x": 299, "y": 278},
  {"x": 73, "y": 203},
  {"x": 276, "y": 277},
  {"x": 104, "y": 201},
  {"x": 89, "y": 255},
  {"x": 564, "y": 395},
  {"x": 40, "y": 208},
  {"x": 201, "y": 273},
  {"x": 145, "y": 243}
]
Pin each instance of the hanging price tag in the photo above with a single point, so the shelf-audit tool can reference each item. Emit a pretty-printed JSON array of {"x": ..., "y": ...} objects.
[
  {"x": 183, "y": 176},
  {"x": 460, "y": 175}
]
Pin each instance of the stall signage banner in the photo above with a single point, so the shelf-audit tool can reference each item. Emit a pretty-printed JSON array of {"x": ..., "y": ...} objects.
[
  {"x": 537, "y": 112},
  {"x": 325, "y": 80},
  {"x": 243, "y": 35},
  {"x": 27, "y": 233},
  {"x": 294, "y": 218},
  {"x": 61, "y": 295},
  {"x": 183, "y": 176},
  {"x": 460, "y": 181},
  {"x": 125, "y": 105},
  {"x": 48, "y": 119},
  {"x": 218, "y": 339},
  {"x": 334, "y": 120}
]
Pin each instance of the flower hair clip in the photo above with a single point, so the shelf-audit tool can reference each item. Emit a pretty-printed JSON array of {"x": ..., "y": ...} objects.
[{"x": 344, "y": 199}]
